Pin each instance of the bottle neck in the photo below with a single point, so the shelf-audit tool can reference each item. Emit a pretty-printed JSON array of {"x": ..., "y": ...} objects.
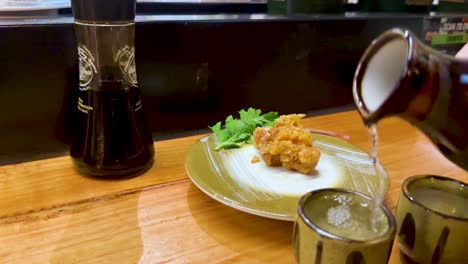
[
  {"x": 106, "y": 53},
  {"x": 420, "y": 85},
  {"x": 431, "y": 93},
  {"x": 412, "y": 96},
  {"x": 376, "y": 79},
  {"x": 440, "y": 106}
]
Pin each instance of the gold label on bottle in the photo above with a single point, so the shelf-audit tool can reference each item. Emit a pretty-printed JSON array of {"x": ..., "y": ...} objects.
[
  {"x": 138, "y": 105},
  {"x": 83, "y": 107},
  {"x": 125, "y": 59},
  {"x": 86, "y": 66}
]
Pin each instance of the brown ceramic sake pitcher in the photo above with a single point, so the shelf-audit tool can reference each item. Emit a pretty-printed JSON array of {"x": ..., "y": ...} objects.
[{"x": 400, "y": 76}]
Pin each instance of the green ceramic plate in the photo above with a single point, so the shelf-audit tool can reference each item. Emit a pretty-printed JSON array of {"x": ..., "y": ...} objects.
[{"x": 230, "y": 177}]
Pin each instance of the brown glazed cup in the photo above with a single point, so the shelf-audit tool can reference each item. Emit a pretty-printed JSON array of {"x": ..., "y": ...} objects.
[
  {"x": 319, "y": 242},
  {"x": 432, "y": 217}
]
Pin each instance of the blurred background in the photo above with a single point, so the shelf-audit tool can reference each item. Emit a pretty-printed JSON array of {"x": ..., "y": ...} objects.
[
  {"x": 199, "y": 61},
  {"x": 22, "y": 8}
]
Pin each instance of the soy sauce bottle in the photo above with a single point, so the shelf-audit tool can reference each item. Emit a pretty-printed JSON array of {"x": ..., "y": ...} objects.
[{"x": 111, "y": 138}]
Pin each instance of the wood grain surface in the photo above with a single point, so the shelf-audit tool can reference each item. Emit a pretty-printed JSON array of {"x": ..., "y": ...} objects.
[{"x": 49, "y": 213}]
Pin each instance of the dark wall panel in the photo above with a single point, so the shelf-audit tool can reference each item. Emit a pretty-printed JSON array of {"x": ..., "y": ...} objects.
[{"x": 192, "y": 73}]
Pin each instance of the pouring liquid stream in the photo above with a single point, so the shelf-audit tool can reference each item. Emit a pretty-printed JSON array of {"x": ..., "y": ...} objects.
[
  {"x": 380, "y": 190},
  {"x": 356, "y": 220}
]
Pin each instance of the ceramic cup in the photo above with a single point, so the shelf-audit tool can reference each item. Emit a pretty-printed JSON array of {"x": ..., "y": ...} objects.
[
  {"x": 336, "y": 226},
  {"x": 432, "y": 217}
]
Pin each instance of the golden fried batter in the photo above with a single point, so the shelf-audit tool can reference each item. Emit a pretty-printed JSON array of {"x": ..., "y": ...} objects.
[
  {"x": 255, "y": 159},
  {"x": 287, "y": 144}
]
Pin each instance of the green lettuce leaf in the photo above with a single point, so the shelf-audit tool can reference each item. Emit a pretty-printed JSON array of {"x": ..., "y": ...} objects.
[{"x": 237, "y": 132}]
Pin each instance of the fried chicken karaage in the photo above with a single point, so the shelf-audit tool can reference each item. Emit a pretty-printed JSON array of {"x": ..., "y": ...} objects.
[{"x": 287, "y": 144}]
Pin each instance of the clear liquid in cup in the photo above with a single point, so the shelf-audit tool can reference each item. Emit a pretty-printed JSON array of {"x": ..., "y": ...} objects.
[
  {"x": 443, "y": 197},
  {"x": 347, "y": 216}
]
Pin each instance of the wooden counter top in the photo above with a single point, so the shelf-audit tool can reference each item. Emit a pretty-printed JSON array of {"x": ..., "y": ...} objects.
[{"x": 49, "y": 213}]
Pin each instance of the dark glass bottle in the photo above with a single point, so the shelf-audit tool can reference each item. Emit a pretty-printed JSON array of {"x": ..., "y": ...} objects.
[
  {"x": 111, "y": 138},
  {"x": 399, "y": 75}
]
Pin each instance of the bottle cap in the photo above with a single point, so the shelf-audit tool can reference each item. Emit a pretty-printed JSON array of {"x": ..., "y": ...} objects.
[{"x": 104, "y": 10}]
